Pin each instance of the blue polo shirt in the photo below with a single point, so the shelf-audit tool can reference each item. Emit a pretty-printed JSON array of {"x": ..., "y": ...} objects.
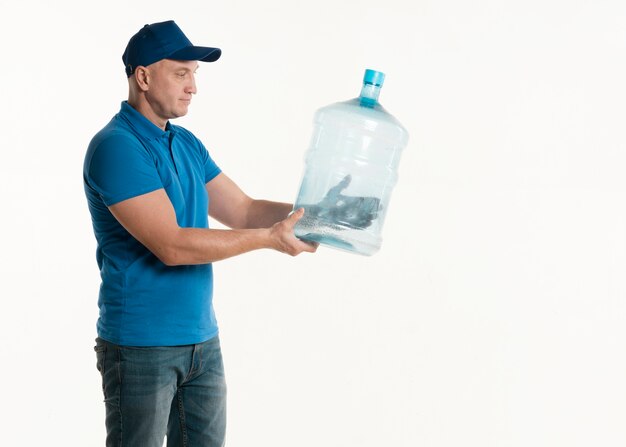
[{"x": 142, "y": 301}]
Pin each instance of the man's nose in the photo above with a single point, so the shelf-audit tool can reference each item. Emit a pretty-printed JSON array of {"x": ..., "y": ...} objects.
[{"x": 191, "y": 87}]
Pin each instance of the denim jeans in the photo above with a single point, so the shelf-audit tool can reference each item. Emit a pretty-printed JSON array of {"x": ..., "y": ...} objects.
[{"x": 151, "y": 392}]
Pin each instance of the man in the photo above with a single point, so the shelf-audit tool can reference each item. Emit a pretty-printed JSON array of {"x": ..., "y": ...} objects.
[{"x": 150, "y": 187}]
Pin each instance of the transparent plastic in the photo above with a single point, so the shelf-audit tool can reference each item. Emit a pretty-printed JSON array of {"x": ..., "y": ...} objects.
[{"x": 351, "y": 168}]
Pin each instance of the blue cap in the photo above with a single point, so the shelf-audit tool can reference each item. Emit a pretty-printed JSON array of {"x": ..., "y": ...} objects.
[
  {"x": 164, "y": 40},
  {"x": 374, "y": 77}
]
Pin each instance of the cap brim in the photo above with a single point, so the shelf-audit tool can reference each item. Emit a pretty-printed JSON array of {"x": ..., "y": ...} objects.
[{"x": 204, "y": 54}]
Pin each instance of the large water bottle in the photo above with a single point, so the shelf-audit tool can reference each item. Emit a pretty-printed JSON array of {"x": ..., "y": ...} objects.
[{"x": 351, "y": 168}]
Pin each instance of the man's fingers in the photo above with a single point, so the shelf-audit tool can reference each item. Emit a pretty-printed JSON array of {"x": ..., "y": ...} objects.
[
  {"x": 295, "y": 216},
  {"x": 309, "y": 247}
]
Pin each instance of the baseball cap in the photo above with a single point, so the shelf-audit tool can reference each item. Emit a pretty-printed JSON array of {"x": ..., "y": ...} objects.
[{"x": 163, "y": 40}]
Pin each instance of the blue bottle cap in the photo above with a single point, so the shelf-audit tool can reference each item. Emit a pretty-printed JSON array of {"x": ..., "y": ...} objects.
[{"x": 374, "y": 77}]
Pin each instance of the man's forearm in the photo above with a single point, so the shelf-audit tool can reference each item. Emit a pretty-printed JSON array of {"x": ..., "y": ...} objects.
[
  {"x": 202, "y": 245},
  {"x": 264, "y": 213},
  {"x": 150, "y": 218}
]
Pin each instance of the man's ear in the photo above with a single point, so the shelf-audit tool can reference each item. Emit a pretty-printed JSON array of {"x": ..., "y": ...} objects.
[{"x": 142, "y": 76}]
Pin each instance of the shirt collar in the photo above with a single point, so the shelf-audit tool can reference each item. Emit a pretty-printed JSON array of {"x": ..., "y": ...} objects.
[{"x": 143, "y": 125}]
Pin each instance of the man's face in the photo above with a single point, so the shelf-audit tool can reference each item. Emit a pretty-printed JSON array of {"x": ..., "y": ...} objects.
[{"x": 171, "y": 85}]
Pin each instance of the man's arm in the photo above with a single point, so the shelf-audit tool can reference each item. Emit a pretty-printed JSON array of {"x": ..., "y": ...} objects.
[
  {"x": 151, "y": 219},
  {"x": 232, "y": 207}
]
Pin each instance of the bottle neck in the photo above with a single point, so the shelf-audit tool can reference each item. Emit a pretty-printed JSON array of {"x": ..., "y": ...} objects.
[{"x": 369, "y": 94}]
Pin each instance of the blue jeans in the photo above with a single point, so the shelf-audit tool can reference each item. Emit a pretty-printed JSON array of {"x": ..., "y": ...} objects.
[{"x": 150, "y": 392}]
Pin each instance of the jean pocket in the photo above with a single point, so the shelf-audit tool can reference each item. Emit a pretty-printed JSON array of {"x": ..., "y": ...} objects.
[{"x": 100, "y": 359}]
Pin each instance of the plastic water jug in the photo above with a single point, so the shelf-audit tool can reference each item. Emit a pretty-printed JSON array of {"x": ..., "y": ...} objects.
[{"x": 351, "y": 168}]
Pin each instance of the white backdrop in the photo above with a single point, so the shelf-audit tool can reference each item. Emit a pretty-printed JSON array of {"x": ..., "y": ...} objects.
[{"x": 494, "y": 315}]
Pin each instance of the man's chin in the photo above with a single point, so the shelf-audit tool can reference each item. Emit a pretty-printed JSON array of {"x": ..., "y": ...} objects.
[{"x": 179, "y": 113}]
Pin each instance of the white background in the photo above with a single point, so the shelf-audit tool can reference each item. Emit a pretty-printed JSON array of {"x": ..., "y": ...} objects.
[{"x": 494, "y": 315}]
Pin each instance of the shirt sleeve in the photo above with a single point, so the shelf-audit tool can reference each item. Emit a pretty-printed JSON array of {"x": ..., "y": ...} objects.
[
  {"x": 211, "y": 170},
  {"x": 121, "y": 168}
]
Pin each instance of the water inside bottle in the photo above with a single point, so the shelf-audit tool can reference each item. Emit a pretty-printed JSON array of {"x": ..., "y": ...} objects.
[
  {"x": 341, "y": 220},
  {"x": 337, "y": 236}
]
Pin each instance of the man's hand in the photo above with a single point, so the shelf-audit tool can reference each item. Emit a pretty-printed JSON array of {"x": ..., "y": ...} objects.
[{"x": 284, "y": 240}]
